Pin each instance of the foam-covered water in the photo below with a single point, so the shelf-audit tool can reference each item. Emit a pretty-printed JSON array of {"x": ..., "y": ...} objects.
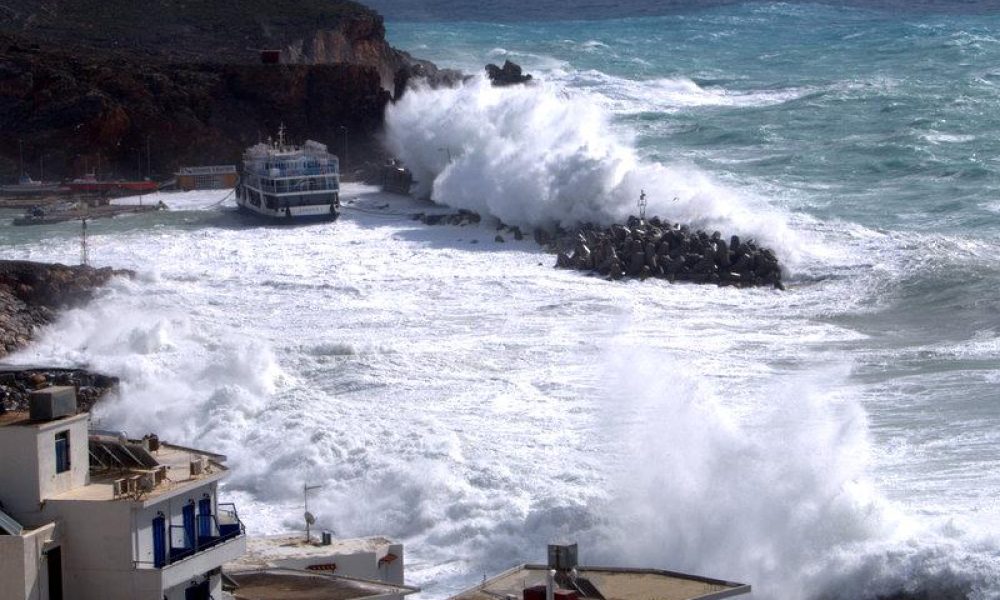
[{"x": 836, "y": 440}]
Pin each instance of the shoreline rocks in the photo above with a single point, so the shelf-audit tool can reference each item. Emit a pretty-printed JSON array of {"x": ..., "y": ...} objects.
[
  {"x": 31, "y": 293},
  {"x": 656, "y": 248},
  {"x": 17, "y": 382}
]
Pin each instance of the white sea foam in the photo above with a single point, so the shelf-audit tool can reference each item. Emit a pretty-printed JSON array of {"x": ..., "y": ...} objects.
[
  {"x": 666, "y": 95},
  {"x": 948, "y": 138},
  {"x": 784, "y": 499},
  {"x": 538, "y": 156},
  {"x": 192, "y": 200}
]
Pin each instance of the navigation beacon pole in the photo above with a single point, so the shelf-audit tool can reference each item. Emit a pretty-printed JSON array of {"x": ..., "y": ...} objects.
[{"x": 642, "y": 205}]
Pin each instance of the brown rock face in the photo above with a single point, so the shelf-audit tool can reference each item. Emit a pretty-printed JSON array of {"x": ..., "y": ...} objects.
[
  {"x": 86, "y": 82},
  {"x": 31, "y": 293},
  {"x": 73, "y": 109}
]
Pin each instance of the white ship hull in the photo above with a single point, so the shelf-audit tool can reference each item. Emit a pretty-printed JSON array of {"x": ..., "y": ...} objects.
[{"x": 326, "y": 206}]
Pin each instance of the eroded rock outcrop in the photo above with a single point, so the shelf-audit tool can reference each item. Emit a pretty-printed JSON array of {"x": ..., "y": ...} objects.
[
  {"x": 509, "y": 74},
  {"x": 32, "y": 293}
]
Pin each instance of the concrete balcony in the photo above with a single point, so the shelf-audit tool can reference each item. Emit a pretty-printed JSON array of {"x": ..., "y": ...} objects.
[
  {"x": 148, "y": 577},
  {"x": 219, "y": 539}
]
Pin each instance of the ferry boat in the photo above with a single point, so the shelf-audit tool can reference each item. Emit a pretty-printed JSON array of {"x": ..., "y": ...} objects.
[{"x": 290, "y": 183}]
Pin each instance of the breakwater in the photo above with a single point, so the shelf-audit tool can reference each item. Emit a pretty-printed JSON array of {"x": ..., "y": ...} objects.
[{"x": 657, "y": 248}]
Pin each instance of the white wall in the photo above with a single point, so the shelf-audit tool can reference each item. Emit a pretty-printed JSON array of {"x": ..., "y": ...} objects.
[
  {"x": 214, "y": 588},
  {"x": 50, "y": 482},
  {"x": 19, "y": 488},
  {"x": 28, "y": 471},
  {"x": 97, "y": 547},
  {"x": 22, "y": 564},
  {"x": 14, "y": 573},
  {"x": 363, "y": 565}
]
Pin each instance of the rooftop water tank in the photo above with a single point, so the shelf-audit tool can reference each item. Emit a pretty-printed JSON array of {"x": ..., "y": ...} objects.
[{"x": 53, "y": 402}]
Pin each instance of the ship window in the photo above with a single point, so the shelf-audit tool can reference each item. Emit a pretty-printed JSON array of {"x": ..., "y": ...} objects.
[{"x": 62, "y": 452}]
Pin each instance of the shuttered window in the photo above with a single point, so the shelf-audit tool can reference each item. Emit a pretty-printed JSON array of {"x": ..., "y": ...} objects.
[{"x": 62, "y": 452}]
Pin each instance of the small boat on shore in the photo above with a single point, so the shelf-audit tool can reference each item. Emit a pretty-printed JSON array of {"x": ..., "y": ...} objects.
[
  {"x": 290, "y": 183},
  {"x": 26, "y": 186}
]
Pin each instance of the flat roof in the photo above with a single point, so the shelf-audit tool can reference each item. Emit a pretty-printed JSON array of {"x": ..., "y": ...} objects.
[
  {"x": 613, "y": 583},
  {"x": 263, "y": 551},
  {"x": 290, "y": 584},
  {"x": 21, "y": 418},
  {"x": 177, "y": 459}
]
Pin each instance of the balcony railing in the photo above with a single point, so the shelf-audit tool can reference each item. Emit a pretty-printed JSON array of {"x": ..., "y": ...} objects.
[
  {"x": 217, "y": 529},
  {"x": 208, "y": 531}
]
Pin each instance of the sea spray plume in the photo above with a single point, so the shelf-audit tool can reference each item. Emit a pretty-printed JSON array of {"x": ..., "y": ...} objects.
[
  {"x": 794, "y": 514},
  {"x": 525, "y": 155},
  {"x": 539, "y": 157},
  {"x": 177, "y": 379}
]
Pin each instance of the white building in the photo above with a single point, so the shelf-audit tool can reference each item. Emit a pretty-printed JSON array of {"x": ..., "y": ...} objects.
[
  {"x": 563, "y": 578},
  {"x": 324, "y": 569},
  {"x": 87, "y": 515}
]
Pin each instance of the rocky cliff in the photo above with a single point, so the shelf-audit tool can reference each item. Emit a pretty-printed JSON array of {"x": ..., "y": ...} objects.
[
  {"x": 77, "y": 112},
  {"x": 31, "y": 293},
  {"x": 86, "y": 82}
]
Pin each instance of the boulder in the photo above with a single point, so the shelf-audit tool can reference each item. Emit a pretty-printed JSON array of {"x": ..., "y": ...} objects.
[{"x": 509, "y": 74}]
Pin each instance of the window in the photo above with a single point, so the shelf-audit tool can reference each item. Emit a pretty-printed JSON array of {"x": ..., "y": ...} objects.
[{"x": 62, "y": 452}]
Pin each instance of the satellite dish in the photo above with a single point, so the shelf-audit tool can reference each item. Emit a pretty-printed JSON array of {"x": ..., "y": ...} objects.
[{"x": 310, "y": 518}]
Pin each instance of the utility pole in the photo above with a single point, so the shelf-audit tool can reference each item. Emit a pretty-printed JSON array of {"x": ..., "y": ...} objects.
[{"x": 83, "y": 243}]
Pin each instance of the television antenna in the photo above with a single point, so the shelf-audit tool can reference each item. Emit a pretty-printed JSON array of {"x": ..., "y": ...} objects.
[{"x": 309, "y": 517}]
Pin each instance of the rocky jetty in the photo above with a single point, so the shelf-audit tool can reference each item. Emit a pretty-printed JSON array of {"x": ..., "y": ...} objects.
[
  {"x": 17, "y": 382},
  {"x": 31, "y": 293},
  {"x": 657, "y": 248},
  {"x": 509, "y": 74}
]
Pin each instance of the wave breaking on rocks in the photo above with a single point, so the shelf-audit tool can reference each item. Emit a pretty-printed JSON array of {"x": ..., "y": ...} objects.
[{"x": 31, "y": 293}]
